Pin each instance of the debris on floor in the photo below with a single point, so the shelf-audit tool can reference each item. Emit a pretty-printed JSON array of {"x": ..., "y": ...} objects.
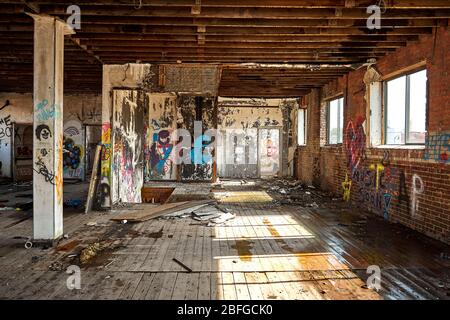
[
  {"x": 182, "y": 265},
  {"x": 56, "y": 266},
  {"x": 157, "y": 211},
  {"x": 293, "y": 192},
  {"x": 7, "y": 209},
  {"x": 73, "y": 203},
  {"x": 213, "y": 214},
  {"x": 90, "y": 251}
]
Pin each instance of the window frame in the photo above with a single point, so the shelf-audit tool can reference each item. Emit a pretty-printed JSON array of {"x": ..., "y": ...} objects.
[
  {"x": 305, "y": 125},
  {"x": 341, "y": 130},
  {"x": 407, "y": 76}
]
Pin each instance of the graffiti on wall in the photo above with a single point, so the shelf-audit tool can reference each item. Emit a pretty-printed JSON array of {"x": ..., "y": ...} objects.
[
  {"x": 355, "y": 143},
  {"x": 72, "y": 158},
  {"x": 73, "y": 150},
  {"x": 437, "y": 147},
  {"x": 105, "y": 170},
  {"x": 160, "y": 154},
  {"x": 5, "y": 127},
  {"x": 44, "y": 112},
  {"x": 347, "y": 186},
  {"x": 5, "y": 145},
  {"x": 417, "y": 189}
]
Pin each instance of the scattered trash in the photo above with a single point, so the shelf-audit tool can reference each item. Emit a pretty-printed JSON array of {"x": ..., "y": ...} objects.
[
  {"x": 445, "y": 256},
  {"x": 307, "y": 192},
  {"x": 91, "y": 224},
  {"x": 7, "y": 209},
  {"x": 24, "y": 206},
  {"x": 71, "y": 256},
  {"x": 182, "y": 265},
  {"x": 124, "y": 221},
  {"x": 66, "y": 236},
  {"x": 221, "y": 220},
  {"x": 90, "y": 251},
  {"x": 73, "y": 203},
  {"x": 28, "y": 244},
  {"x": 109, "y": 263},
  {"x": 108, "y": 277},
  {"x": 313, "y": 205},
  {"x": 56, "y": 266}
]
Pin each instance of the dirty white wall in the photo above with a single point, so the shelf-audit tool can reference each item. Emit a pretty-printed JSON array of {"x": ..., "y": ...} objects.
[{"x": 250, "y": 114}]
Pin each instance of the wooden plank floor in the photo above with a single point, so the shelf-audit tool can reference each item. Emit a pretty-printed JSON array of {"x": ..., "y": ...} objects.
[{"x": 267, "y": 252}]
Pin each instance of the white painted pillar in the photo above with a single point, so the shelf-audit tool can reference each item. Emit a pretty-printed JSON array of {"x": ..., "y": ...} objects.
[{"x": 48, "y": 127}]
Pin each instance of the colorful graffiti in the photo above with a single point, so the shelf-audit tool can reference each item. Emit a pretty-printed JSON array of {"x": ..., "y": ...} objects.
[
  {"x": 105, "y": 168},
  {"x": 347, "y": 186},
  {"x": 355, "y": 144},
  {"x": 73, "y": 150},
  {"x": 72, "y": 156},
  {"x": 376, "y": 185},
  {"x": 160, "y": 152},
  {"x": 44, "y": 112},
  {"x": 437, "y": 147}
]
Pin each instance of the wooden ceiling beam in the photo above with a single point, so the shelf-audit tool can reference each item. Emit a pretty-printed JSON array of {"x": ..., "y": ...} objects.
[
  {"x": 221, "y": 31},
  {"x": 244, "y": 13},
  {"x": 401, "y": 4}
]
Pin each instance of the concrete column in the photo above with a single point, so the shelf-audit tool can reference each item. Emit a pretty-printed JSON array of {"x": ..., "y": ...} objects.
[{"x": 48, "y": 127}]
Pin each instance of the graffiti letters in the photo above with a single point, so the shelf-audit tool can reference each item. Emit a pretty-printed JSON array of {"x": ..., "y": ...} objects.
[
  {"x": 347, "y": 186},
  {"x": 5, "y": 127},
  {"x": 44, "y": 112},
  {"x": 417, "y": 189},
  {"x": 355, "y": 144},
  {"x": 43, "y": 171},
  {"x": 387, "y": 205}
]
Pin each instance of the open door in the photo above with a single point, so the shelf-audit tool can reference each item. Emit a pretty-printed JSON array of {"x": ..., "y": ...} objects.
[
  {"x": 269, "y": 152},
  {"x": 127, "y": 141}
]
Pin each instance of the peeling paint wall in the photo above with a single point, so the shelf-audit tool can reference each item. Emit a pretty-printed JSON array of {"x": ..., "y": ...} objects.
[
  {"x": 159, "y": 139},
  {"x": 192, "y": 109},
  {"x": 127, "y": 141},
  {"x": 86, "y": 109},
  {"x": 130, "y": 76},
  {"x": 247, "y": 117}
]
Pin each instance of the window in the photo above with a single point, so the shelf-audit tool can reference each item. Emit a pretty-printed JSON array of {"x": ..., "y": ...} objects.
[
  {"x": 335, "y": 121},
  {"x": 302, "y": 127},
  {"x": 406, "y": 101}
]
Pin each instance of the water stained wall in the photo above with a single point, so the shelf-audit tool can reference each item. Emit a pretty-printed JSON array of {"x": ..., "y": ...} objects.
[
  {"x": 254, "y": 130},
  {"x": 198, "y": 109},
  {"x": 127, "y": 139}
]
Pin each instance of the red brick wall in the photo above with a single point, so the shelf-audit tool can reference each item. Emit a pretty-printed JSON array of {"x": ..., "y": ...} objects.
[{"x": 392, "y": 197}]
